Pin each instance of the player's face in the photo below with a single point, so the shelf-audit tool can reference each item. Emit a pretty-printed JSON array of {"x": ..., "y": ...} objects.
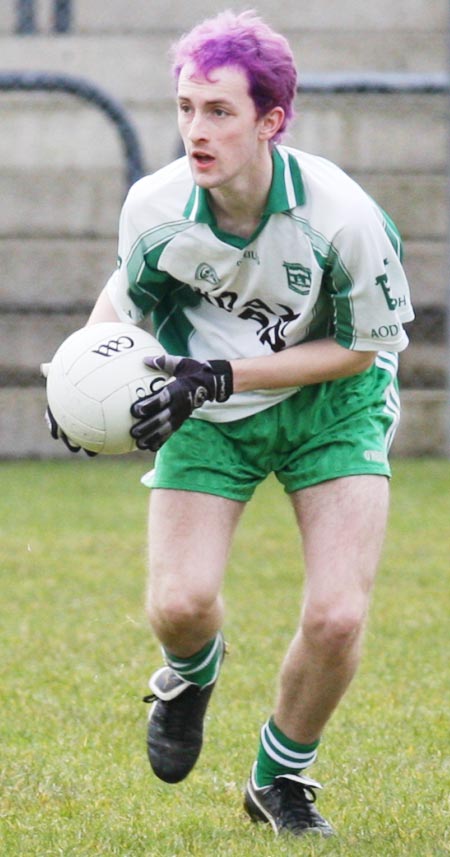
[{"x": 223, "y": 137}]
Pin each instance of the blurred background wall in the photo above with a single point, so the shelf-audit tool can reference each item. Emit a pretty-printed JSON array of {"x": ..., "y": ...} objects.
[{"x": 63, "y": 174}]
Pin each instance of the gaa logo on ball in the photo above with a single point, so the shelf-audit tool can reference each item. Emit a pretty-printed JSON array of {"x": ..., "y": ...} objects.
[{"x": 113, "y": 346}]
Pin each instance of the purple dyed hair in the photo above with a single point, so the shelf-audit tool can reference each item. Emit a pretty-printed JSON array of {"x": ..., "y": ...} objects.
[{"x": 245, "y": 41}]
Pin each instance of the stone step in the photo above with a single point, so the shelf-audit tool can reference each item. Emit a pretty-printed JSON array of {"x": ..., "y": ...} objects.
[
  {"x": 171, "y": 18},
  {"x": 359, "y": 132},
  {"x": 417, "y": 203},
  {"x": 426, "y": 266},
  {"x": 26, "y": 341},
  {"x": 56, "y": 273},
  {"x": 44, "y": 202},
  {"x": 39, "y": 203},
  {"x": 23, "y": 433},
  {"x": 141, "y": 74},
  {"x": 146, "y": 72},
  {"x": 374, "y": 132},
  {"x": 174, "y": 17},
  {"x": 423, "y": 365},
  {"x": 423, "y": 427},
  {"x": 69, "y": 272}
]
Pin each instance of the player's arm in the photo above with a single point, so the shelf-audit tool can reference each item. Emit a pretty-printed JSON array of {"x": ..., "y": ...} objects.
[
  {"x": 103, "y": 310},
  {"x": 300, "y": 365},
  {"x": 193, "y": 382}
]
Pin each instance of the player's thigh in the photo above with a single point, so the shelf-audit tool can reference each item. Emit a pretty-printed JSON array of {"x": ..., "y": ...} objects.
[
  {"x": 342, "y": 523},
  {"x": 190, "y": 535}
]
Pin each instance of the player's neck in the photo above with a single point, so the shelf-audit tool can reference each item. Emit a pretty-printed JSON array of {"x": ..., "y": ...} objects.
[{"x": 239, "y": 206}]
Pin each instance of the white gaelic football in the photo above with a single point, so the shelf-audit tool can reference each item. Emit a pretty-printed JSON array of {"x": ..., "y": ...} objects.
[{"x": 94, "y": 378}]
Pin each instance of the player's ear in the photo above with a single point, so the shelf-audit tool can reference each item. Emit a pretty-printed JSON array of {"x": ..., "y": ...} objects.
[{"x": 271, "y": 123}]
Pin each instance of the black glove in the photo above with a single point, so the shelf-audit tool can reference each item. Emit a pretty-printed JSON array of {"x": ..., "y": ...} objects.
[
  {"x": 194, "y": 383},
  {"x": 55, "y": 430},
  {"x": 58, "y": 434}
]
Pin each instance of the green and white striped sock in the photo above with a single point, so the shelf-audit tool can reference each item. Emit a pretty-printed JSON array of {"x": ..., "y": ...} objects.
[
  {"x": 279, "y": 755},
  {"x": 203, "y": 667}
]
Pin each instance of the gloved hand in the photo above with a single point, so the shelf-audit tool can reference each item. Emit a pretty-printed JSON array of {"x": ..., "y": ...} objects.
[
  {"x": 58, "y": 434},
  {"x": 194, "y": 383},
  {"x": 55, "y": 430}
]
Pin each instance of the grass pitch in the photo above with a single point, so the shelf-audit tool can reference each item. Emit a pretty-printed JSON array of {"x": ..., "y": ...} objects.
[{"x": 75, "y": 654}]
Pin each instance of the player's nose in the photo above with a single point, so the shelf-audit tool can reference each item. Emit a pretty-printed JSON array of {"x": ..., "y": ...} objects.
[{"x": 198, "y": 128}]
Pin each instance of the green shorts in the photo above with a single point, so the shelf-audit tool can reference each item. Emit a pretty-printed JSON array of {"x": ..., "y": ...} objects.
[{"x": 322, "y": 432}]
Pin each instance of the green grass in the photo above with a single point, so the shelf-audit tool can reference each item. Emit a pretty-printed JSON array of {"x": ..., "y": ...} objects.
[{"x": 75, "y": 654}]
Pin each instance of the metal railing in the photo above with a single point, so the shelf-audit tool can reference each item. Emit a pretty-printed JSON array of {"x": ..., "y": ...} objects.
[
  {"x": 27, "y": 81},
  {"x": 373, "y": 82}
]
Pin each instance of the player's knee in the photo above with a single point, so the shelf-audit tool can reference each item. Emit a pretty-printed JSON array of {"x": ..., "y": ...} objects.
[
  {"x": 177, "y": 611},
  {"x": 333, "y": 627}
]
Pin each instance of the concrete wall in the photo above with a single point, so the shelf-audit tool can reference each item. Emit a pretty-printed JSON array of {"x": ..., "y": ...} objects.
[{"x": 62, "y": 173}]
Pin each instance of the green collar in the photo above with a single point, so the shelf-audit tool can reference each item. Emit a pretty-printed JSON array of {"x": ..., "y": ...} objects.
[{"x": 286, "y": 191}]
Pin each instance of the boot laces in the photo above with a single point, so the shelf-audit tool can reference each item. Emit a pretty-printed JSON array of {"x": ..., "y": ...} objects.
[{"x": 297, "y": 800}]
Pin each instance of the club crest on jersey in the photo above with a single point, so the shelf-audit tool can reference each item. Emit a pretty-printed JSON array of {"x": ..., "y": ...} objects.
[
  {"x": 298, "y": 277},
  {"x": 207, "y": 273}
]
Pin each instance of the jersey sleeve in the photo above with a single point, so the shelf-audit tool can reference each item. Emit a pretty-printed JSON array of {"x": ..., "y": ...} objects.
[
  {"x": 367, "y": 285},
  {"x": 136, "y": 286}
]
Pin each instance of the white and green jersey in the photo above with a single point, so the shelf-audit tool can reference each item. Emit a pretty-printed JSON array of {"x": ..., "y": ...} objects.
[{"x": 324, "y": 261}]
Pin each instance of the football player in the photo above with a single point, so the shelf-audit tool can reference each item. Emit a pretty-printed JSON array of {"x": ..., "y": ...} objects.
[{"x": 275, "y": 284}]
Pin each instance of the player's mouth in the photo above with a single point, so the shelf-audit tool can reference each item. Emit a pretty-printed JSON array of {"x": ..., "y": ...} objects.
[{"x": 202, "y": 159}]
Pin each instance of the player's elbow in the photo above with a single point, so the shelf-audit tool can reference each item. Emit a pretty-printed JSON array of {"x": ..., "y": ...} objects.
[{"x": 361, "y": 361}]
